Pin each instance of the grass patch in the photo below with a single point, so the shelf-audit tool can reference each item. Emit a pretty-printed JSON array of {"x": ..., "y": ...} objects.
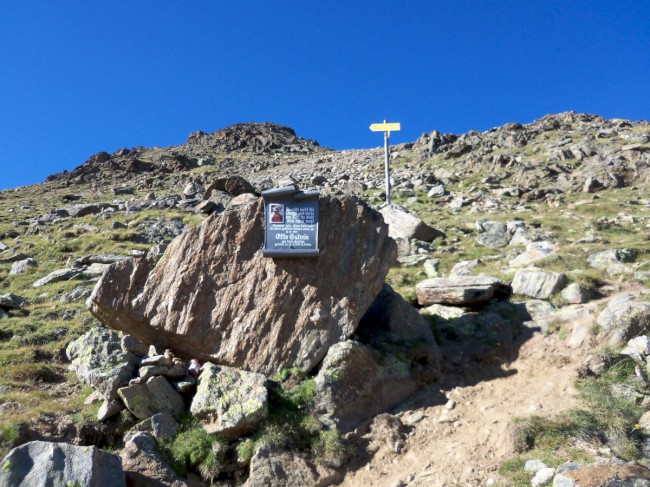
[
  {"x": 609, "y": 418},
  {"x": 192, "y": 448}
]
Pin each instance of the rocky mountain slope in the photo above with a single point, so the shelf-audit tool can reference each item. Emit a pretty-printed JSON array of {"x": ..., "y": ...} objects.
[{"x": 557, "y": 211}]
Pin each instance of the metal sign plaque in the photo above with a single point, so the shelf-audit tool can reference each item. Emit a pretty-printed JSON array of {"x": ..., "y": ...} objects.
[{"x": 291, "y": 222}]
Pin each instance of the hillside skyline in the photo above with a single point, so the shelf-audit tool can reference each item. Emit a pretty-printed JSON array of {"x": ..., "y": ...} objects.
[{"x": 85, "y": 79}]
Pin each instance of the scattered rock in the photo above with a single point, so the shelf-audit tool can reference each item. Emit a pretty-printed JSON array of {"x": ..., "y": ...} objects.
[
  {"x": 22, "y": 266},
  {"x": 133, "y": 345},
  {"x": 109, "y": 408},
  {"x": 613, "y": 261},
  {"x": 273, "y": 468},
  {"x": 144, "y": 466},
  {"x": 229, "y": 401},
  {"x": 534, "y": 466},
  {"x": 41, "y": 463},
  {"x": 404, "y": 225},
  {"x": 431, "y": 268},
  {"x": 543, "y": 477},
  {"x": 155, "y": 396},
  {"x": 356, "y": 382},
  {"x": 464, "y": 268},
  {"x": 574, "y": 293},
  {"x": 623, "y": 319},
  {"x": 58, "y": 275},
  {"x": 460, "y": 291},
  {"x": 538, "y": 284},
  {"x": 492, "y": 234},
  {"x": 99, "y": 361},
  {"x": 638, "y": 348},
  {"x": 9, "y": 301}
]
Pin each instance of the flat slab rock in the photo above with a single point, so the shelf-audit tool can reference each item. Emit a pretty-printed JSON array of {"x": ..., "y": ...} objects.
[
  {"x": 213, "y": 295},
  {"x": 461, "y": 290}
]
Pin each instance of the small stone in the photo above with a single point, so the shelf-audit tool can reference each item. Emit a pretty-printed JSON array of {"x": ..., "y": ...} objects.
[
  {"x": 94, "y": 397},
  {"x": 543, "y": 477},
  {"x": 431, "y": 268},
  {"x": 109, "y": 408},
  {"x": 574, "y": 293},
  {"x": 133, "y": 345},
  {"x": 533, "y": 466}
]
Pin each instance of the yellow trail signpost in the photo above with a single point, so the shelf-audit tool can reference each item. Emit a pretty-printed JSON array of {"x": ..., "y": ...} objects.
[{"x": 386, "y": 128}]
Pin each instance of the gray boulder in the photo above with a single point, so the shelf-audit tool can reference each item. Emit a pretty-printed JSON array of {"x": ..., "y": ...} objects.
[
  {"x": 613, "y": 260},
  {"x": 22, "y": 266},
  {"x": 99, "y": 361},
  {"x": 460, "y": 291},
  {"x": 229, "y": 401},
  {"x": 623, "y": 319},
  {"x": 153, "y": 397},
  {"x": 99, "y": 259},
  {"x": 41, "y": 463},
  {"x": 144, "y": 466},
  {"x": 404, "y": 225},
  {"x": 83, "y": 209},
  {"x": 357, "y": 381},
  {"x": 538, "y": 284},
  {"x": 574, "y": 293},
  {"x": 464, "y": 268},
  {"x": 10, "y": 301},
  {"x": 535, "y": 252},
  {"x": 133, "y": 345},
  {"x": 109, "y": 408},
  {"x": 492, "y": 234},
  {"x": 638, "y": 347},
  {"x": 59, "y": 275},
  {"x": 214, "y": 296},
  {"x": 273, "y": 468}
]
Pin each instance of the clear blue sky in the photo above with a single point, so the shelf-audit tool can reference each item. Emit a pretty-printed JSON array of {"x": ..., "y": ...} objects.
[{"x": 80, "y": 77}]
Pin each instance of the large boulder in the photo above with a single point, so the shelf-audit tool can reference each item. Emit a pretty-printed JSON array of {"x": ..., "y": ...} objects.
[
  {"x": 213, "y": 295},
  {"x": 99, "y": 361},
  {"x": 229, "y": 401},
  {"x": 41, "y": 463}
]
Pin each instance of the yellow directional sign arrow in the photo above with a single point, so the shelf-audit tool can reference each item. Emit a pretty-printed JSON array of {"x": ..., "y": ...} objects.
[{"x": 385, "y": 127}]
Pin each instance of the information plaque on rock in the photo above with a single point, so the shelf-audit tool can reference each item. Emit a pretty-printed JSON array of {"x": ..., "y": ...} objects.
[{"x": 291, "y": 222}]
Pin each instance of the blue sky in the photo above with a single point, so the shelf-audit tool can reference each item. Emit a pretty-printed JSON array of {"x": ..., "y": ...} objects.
[{"x": 78, "y": 77}]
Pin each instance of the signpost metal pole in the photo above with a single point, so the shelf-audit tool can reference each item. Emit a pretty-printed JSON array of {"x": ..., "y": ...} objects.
[
  {"x": 386, "y": 129},
  {"x": 387, "y": 164}
]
